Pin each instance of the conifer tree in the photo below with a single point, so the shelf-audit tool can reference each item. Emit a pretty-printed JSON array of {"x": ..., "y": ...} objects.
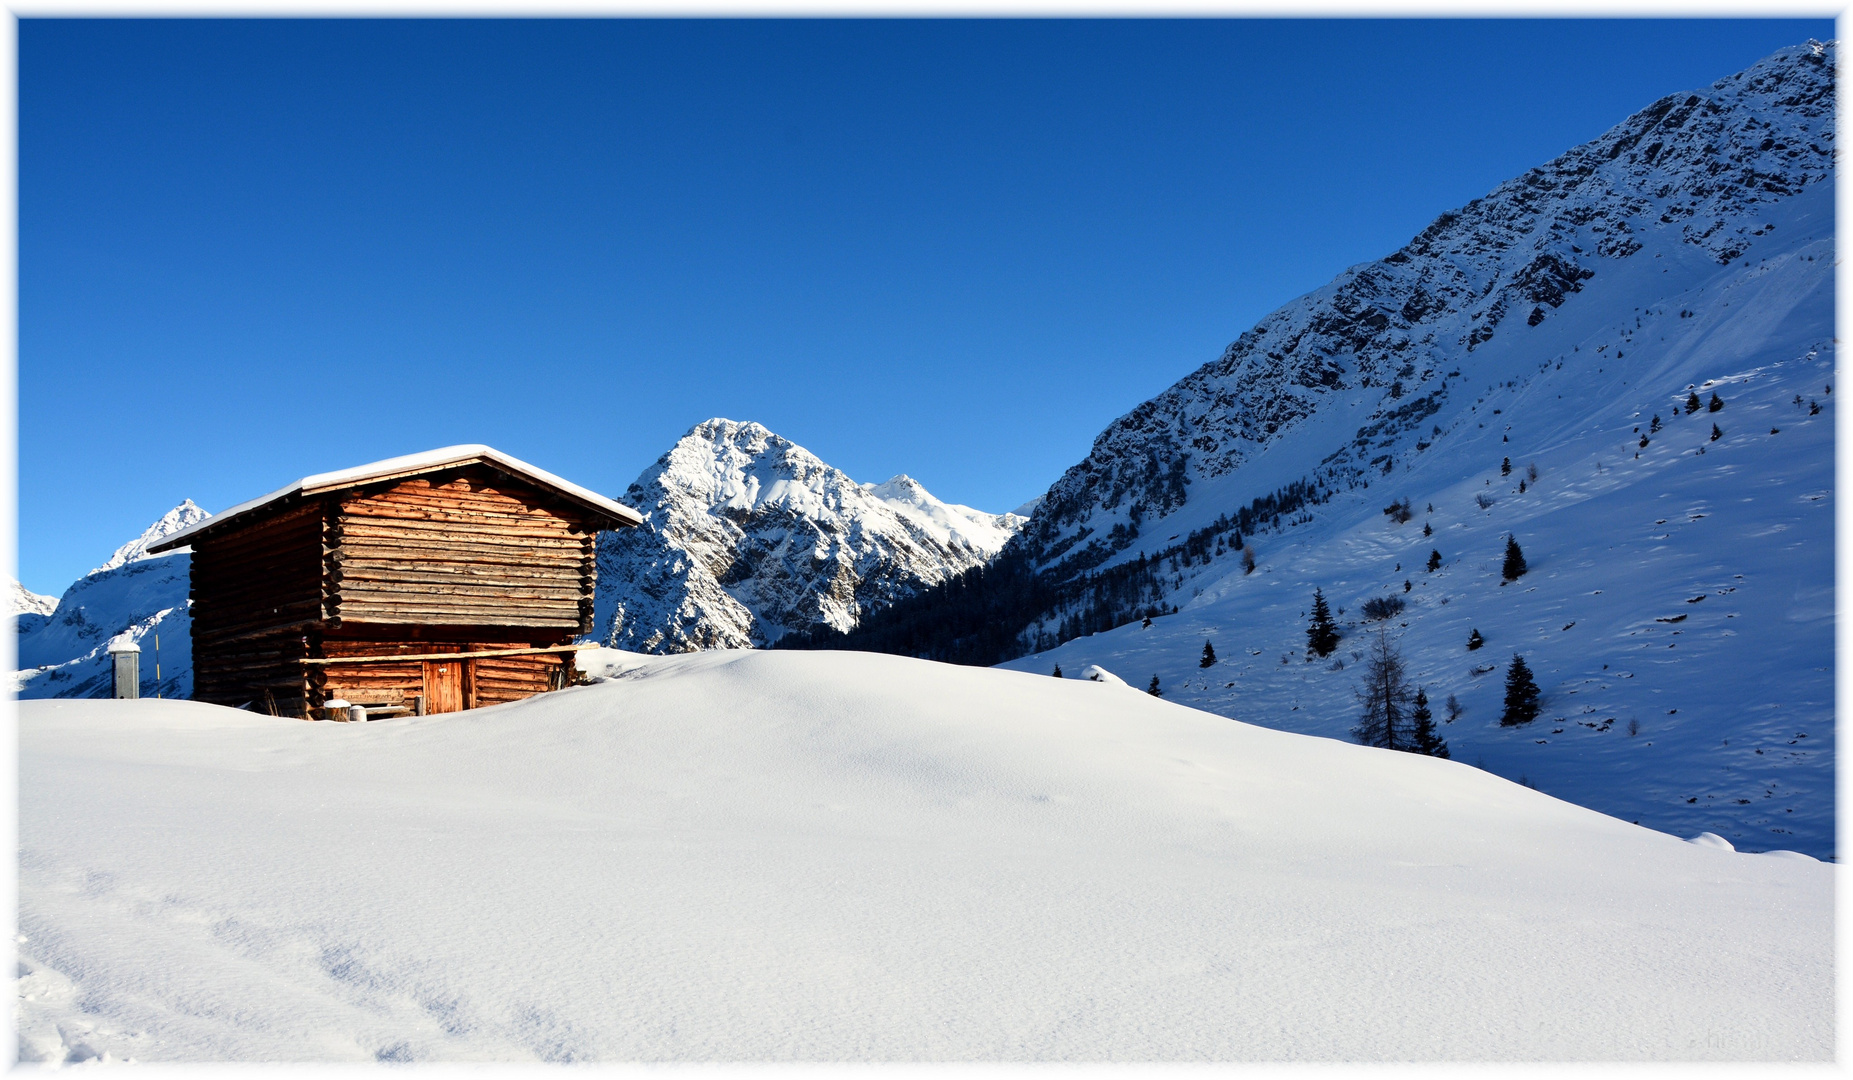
[
  {"x": 1521, "y": 694},
  {"x": 1058, "y": 671},
  {"x": 1383, "y": 695},
  {"x": 1434, "y": 561},
  {"x": 1425, "y": 738},
  {"x": 1655, "y": 426},
  {"x": 1514, "y": 567},
  {"x": 1153, "y": 689},
  {"x": 1692, "y": 402},
  {"x": 1474, "y": 640},
  {"x": 1505, "y": 467},
  {"x": 1427, "y": 529},
  {"x": 1716, "y": 402},
  {"x": 1715, "y": 433},
  {"x": 1322, "y": 635},
  {"x": 1209, "y": 656}
]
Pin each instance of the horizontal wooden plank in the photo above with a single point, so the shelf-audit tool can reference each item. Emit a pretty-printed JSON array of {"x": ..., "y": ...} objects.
[
  {"x": 454, "y": 655},
  {"x": 493, "y": 594},
  {"x": 489, "y": 548},
  {"x": 458, "y": 510},
  {"x": 535, "y": 532},
  {"x": 225, "y": 635},
  {"x": 410, "y": 570},
  {"x": 483, "y": 608},
  {"x": 372, "y": 618}
]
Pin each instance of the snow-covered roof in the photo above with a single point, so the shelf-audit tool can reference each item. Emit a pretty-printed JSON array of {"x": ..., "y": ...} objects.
[{"x": 407, "y": 466}]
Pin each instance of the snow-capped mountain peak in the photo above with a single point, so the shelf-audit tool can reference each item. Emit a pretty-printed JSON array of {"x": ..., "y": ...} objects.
[
  {"x": 23, "y": 601},
  {"x": 749, "y": 536},
  {"x": 950, "y": 522},
  {"x": 167, "y": 525}
]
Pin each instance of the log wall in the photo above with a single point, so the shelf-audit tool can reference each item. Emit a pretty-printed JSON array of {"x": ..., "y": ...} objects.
[
  {"x": 461, "y": 561},
  {"x": 257, "y": 595},
  {"x": 467, "y": 548},
  {"x": 490, "y": 680}
]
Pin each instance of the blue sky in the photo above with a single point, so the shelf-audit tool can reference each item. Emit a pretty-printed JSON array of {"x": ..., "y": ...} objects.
[{"x": 956, "y": 249}]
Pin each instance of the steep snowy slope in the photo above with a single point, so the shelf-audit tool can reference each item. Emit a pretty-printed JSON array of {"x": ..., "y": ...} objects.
[
  {"x": 133, "y": 595},
  {"x": 749, "y": 536},
  {"x": 763, "y": 855},
  {"x": 1683, "y": 588},
  {"x": 1346, "y": 383}
]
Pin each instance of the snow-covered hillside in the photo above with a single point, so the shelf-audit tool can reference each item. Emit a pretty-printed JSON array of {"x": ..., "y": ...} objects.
[
  {"x": 816, "y": 856},
  {"x": 1679, "y": 610},
  {"x": 133, "y": 596},
  {"x": 749, "y": 536},
  {"x": 1354, "y": 380}
]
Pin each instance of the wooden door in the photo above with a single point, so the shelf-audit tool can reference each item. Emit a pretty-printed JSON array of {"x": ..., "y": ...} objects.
[{"x": 446, "y": 683}]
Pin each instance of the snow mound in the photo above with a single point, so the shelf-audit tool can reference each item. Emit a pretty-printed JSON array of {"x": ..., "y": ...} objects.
[
  {"x": 1790, "y": 855},
  {"x": 1096, "y": 673},
  {"x": 746, "y": 855},
  {"x": 1712, "y": 840}
]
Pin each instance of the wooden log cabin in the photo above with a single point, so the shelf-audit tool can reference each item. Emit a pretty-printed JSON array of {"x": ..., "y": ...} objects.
[{"x": 430, "y": 583}]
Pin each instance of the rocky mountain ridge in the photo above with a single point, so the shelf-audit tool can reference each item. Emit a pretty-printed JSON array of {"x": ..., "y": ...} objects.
[
  {"x": 1392, "y": 338},
  {"x": 749, "y": 536}
]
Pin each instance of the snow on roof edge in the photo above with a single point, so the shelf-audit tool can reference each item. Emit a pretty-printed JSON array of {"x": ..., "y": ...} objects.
[{"x": 404, "y": 465}]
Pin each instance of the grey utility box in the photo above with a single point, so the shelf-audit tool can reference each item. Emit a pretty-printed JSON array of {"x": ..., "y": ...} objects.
[{"x": 127, "y": 657}]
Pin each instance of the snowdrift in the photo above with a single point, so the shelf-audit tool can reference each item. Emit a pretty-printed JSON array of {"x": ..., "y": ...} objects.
[{"x": 772, "y": 856}]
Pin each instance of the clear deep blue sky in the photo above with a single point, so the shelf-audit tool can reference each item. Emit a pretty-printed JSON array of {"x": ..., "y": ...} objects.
[{"x": 255, "y": 250}]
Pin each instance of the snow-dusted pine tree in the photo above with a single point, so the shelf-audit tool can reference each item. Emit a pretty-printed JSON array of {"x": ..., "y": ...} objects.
[
  {"x": 1514, "y": 566},
  {"x": 1322, "y": 635},
  {"x": 1426, "y": 739}
]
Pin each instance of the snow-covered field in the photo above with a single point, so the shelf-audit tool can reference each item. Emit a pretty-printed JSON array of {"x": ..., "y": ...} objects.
[{"x": 748, "y": 855}]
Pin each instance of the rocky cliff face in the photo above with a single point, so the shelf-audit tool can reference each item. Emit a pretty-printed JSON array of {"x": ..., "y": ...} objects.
[
  {"x": 1356, "y": 369},
  {"x": 749, "y": 536}
]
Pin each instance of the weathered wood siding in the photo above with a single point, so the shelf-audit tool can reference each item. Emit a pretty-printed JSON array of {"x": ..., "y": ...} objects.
[
  {"x": 464, "y": 560},
  {"x": 459, "y": 549},
  {"x": 256, "y": 594},
  {"x": 489, "y": 680}
]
